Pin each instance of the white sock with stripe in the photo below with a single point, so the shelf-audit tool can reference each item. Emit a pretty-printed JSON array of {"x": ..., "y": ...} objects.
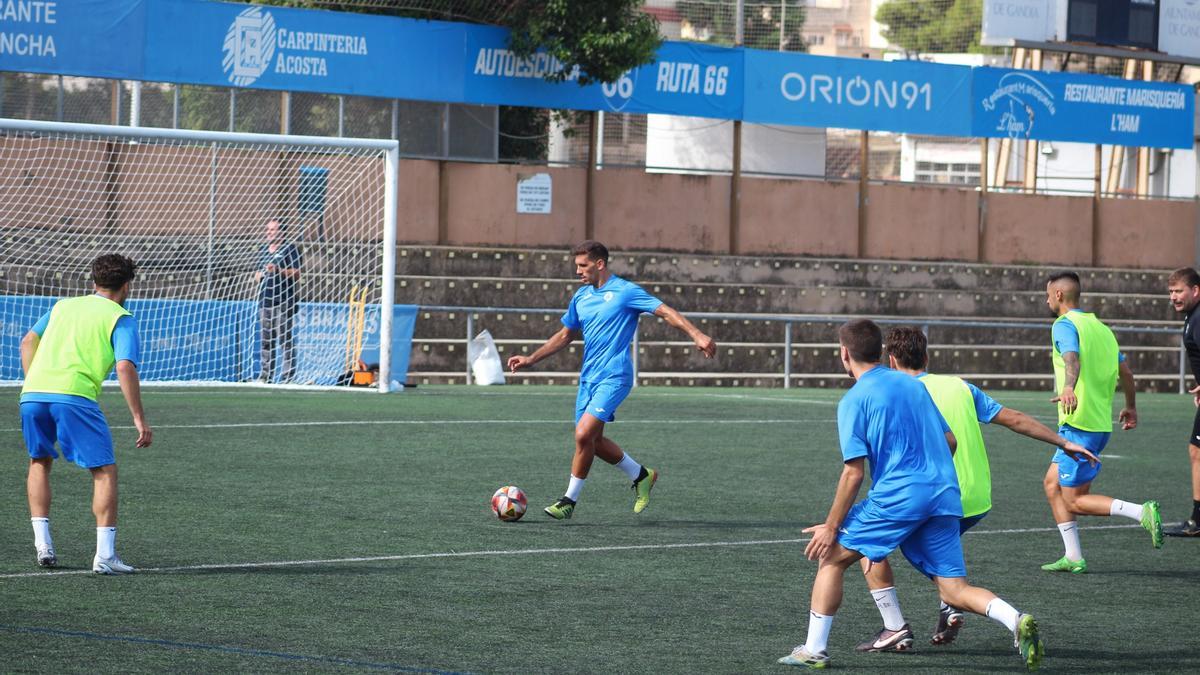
[
  {"x": 1120, "y": 508},
  {"x": 1070, "y": 536},
  {"x": 41, "y": 533}
]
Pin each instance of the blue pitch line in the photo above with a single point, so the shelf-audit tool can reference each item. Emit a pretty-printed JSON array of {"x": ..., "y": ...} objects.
[{"x": 226, "y": 650}]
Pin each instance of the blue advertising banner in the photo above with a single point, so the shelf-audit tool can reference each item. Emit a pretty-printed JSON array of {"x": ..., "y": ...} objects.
[
  {"x": 686, "y": 79},
  {"x": 1084, "y": 108},
  {"x": 218, "y": 340},
  {"x": 96, "y": 38},
  {"x": 823, "y": 91},
  {"x": 224, "y": 44}
]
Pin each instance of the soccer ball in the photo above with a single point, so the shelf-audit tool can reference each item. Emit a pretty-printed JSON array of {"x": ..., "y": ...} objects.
[{"x": 509, "y": 503}]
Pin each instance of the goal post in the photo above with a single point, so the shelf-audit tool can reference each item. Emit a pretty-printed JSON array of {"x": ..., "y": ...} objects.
[{"x": 219, "y": 297}]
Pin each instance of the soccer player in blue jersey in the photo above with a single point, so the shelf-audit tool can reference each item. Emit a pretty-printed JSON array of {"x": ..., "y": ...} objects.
[
  {"x": 964, "y": 407},
  {"x": 65, "y": 356},
  {"x": 604, "y": 311},
  {"x": 1088, "y": 365},
  {"x": 889, "y": 419}
]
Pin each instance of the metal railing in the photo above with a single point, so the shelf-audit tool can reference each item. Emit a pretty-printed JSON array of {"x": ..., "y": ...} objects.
[{"x": 788, "y": 320}]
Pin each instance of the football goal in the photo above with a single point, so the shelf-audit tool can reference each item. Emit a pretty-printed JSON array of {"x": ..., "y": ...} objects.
[{"x": 260, "y": 258}]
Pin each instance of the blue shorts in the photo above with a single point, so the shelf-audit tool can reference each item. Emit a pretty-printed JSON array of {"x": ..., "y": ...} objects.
[
  {"x": 931, "y": 545},
  {"x": 600, "y": 400},
  {"x": 1071, "y": 472},
  {"x": 82, "y": 433},
  {"x": 968, "y": 522}
]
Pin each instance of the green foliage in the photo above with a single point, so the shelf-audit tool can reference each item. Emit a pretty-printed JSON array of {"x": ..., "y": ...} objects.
[
  {"x": 933, "y": 26},
  {"x": 523, "y": 134},
  {"x": 603, "y": 38},
  {"x": 762, "y": 23}
]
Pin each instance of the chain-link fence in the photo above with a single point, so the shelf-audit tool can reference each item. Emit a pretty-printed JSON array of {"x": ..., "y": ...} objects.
[{"x": 945, "y": 30}]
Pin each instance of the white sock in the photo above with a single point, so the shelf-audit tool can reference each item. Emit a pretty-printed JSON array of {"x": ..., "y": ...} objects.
[
  {"x": 818, "y": 632},
  {"x": 1120, "y": 508},
  {"x": 41, "y": 533},
  {"x": 629, "y": 466},
  {"x": 1070, "y": 537},
  {"x": 574, "y": 488},
  {"x": 106, "y": 542},
  {"x": 1001, "y": 611},
  {"x": 889, "y": 607}
]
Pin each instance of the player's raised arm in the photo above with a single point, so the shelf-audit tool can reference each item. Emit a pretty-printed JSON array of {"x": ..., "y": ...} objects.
[
  {"x": 704, "y": 343},
  {"x": 1023, "y": 424},
  {"x": 555, "y": 344}
]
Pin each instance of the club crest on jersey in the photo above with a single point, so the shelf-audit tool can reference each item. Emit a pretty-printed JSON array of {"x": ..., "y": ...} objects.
[{"x": 608, "y": 295}]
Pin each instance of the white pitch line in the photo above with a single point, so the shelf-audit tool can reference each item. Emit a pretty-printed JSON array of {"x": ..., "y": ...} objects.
[
  {"x": 333, "y": 423},
  {"x": 477, "y": 554}
]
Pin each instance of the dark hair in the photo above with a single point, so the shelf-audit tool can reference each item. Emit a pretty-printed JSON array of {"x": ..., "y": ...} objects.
[
  {"x": 1073, "y": 286},
  {"x": 112, "y": 271},
  {"x": 1187, "y": 275},
  {"x": 863, "y": 339},
  {"x": 593, "y": 249},
  {"x": 909, "y": 345}
]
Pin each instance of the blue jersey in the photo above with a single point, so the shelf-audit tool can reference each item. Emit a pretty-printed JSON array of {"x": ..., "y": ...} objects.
[
  {"x": 608, "y": 318},
  {"x": 986, "y": 407},
  {"x": 890, "y": 418},
  {"x": 127, "y": 346}
]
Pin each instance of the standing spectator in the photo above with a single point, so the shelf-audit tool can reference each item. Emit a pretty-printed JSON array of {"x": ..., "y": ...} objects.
[{"x": 278, "y": 270}]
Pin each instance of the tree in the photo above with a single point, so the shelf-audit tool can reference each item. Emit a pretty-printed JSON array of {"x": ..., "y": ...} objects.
[
  {"x": 762, "y": 23},
  {"x": 933, "y": 26},
  {"x": 604, "y": 38}
]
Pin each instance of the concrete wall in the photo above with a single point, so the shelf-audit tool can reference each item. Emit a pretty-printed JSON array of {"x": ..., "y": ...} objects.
[
  {"x": 639, "y": 210},
  {"x": 1146, "y": 233},
  {"x": 799, "y": 216},
  {"x": 478, "y": 205},
  {"x": 1038, "y": 229},
  {"x": 909, "y": 221},
  {"x": 475, "y": 204}
]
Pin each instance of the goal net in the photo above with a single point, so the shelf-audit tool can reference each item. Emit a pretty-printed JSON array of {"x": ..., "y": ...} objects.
[{"x": 260, "y": 258}]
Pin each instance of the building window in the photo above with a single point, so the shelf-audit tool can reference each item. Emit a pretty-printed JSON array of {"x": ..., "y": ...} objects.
[{"x": 947, "y": 173}]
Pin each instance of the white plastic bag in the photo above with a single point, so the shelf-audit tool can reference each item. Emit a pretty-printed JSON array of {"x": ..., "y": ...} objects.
[{"x": 486, "y": 367}]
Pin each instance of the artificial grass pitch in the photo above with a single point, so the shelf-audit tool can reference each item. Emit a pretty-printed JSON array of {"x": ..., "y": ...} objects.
[{"x": 352, "y": 532}]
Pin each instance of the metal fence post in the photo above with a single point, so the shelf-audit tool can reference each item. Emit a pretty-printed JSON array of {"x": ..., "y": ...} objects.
[
  {"x": 466, "y": 351},
  {"x": 1182, "y": 372},
  {"x": 787, "y": 355}
]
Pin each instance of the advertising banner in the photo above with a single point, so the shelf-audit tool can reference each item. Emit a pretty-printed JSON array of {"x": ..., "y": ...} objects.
[
  {"x": 1023, "y": 105},
  {"x": 822, "y": 91}
]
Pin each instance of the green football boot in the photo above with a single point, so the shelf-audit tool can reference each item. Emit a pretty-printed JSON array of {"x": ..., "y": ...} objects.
[
  {"x": 561, "y": 509},
  {"x": 1064, "y": 565},
  {"x": 1029, "y": 643},
  {"x": 1152, "y": 523},
  {"x": 806, "y": 659},
  {"x": 642, "y": 487}
]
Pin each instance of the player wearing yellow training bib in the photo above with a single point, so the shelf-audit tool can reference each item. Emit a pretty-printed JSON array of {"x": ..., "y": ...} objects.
[
  {"x": 65, "y": 356},
  {"x": 1087, "y": 366}
]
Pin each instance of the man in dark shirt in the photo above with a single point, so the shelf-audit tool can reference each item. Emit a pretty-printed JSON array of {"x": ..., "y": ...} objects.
[
  {"x": 1184, "y": 287},
  {"x": 277, "y": 271}
]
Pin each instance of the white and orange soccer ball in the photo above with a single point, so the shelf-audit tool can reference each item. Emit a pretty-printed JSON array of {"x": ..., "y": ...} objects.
[{"x": 509, "y": 503}]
